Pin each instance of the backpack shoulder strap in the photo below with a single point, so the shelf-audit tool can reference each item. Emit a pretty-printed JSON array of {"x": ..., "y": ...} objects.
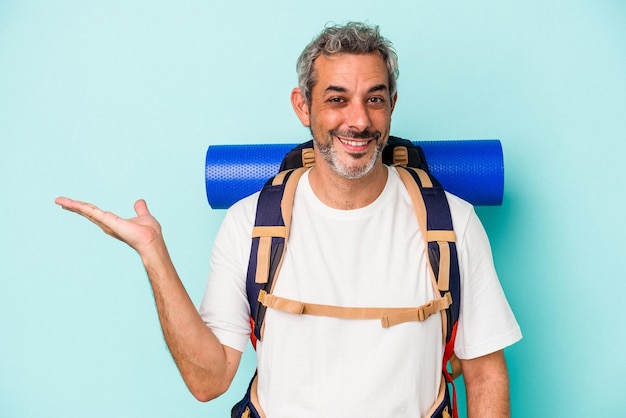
[
  {"x": 435, "y": 221},
  {"x": 269, "y": 236}
]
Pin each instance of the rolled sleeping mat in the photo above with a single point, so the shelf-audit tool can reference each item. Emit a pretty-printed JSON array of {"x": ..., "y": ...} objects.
[{"x": 471, "y": 169}]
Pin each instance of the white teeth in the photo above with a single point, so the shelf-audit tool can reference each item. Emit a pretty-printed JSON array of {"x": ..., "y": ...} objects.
[{"x": 354, "y": 143}]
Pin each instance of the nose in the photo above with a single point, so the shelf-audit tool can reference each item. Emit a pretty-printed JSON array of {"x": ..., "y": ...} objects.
[{"x": 357, "y": 116}]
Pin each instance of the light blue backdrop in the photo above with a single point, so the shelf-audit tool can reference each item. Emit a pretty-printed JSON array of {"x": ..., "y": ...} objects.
[{"x": 110, "y": 101}]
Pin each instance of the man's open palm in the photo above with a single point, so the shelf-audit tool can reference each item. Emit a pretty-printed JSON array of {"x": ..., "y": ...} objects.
[{"x": 138, "y": 232}]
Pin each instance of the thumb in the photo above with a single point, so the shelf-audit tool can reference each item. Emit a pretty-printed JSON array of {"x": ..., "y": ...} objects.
[{"x": 141, "y": 208}]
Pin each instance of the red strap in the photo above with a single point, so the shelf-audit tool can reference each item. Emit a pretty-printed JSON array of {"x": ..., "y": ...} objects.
[
  {"x": 253, "y": 338},
  {"x": 447, "y": 354}
]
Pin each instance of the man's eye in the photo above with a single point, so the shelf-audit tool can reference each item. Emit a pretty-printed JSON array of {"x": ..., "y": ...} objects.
[
  {"x": 376, "y": 100},
  {"x": 336, "y": 100}
]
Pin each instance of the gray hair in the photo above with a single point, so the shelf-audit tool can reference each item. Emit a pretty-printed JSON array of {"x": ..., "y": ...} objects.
[{"x": 353, "y": 38}]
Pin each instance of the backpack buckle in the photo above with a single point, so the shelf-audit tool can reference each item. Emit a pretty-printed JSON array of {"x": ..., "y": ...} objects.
[
  {"x": 400, "y": 156},
  {"x": 308, "y": 157}
]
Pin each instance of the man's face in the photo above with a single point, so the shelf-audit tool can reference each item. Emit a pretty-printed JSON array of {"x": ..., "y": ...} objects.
[{"x": 350, "y": 112}]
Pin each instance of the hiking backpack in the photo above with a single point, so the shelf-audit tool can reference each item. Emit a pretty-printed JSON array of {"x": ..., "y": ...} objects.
[{"x": 270, "y": 236}]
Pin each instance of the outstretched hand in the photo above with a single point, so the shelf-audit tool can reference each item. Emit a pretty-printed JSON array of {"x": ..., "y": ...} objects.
[{"x": 138, "y": 232}]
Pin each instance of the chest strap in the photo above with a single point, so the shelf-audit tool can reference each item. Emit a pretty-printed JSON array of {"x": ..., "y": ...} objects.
[{"x": 388, "y": 316}]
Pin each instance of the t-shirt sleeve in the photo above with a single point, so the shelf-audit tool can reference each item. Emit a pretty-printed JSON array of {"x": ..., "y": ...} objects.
[
  {"x": 486, "y": 323},
  {"x": 224, "y": 307}
]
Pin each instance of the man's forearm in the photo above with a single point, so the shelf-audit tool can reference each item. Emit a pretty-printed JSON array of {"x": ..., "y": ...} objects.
[
  {"x": 205, "y": 365},
  {"x": 487, "y": 386}
]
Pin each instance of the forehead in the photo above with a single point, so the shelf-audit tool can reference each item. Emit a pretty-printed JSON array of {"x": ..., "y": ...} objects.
[{"x": 349, "y": 70}]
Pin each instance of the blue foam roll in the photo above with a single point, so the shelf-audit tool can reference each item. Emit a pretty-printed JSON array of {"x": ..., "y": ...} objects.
[{"x": 470, "y": 169}]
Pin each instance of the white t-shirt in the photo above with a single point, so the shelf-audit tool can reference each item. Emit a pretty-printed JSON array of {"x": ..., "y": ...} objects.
[{"x": 312, "y": 366}]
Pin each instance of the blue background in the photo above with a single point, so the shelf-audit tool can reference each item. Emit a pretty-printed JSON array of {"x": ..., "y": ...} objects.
[{"x": 110, "y": 101}]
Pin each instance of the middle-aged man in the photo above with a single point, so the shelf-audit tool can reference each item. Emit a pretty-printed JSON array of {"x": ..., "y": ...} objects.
[{"x": 354, "y": 241}]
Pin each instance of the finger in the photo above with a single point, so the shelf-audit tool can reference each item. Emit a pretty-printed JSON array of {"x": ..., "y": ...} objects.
[
  {"x": 107, "y": 221},
  {"x": 141, "y": 208},
  {"x": 88, "y": 210},
  {"x": 74, "y": 205},
  {"x": 62, "y": 201}
]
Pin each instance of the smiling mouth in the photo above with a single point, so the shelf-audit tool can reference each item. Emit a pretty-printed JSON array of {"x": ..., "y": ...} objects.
[{"x": 355, "y": 142}]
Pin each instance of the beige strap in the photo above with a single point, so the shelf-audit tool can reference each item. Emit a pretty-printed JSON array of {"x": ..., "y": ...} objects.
[
  {"x": 387, "y": 316},
  {"x": 286, "y": 207},
  {"x": 286, "y": 204},
  {"x": 448, "y": 236},
  {"x": 308, "y": 157},
  {"x": 267, "y": 232},
  {"x": 420, "y": 211},
  {"x": 443, "y": 278},
  {"x": 400, "y": 156},
  {"x": 417, "y": 314},
  {"x": 440, "y": 398},
  {"x": 280, "y": 177},
  {"x": 263, "y": 260},
  {"x": 254, "y": 398},
  {"x": 280, "y": 304},
  {"x": 424, "y": 178},
  {"x": 443, "y": 238}
]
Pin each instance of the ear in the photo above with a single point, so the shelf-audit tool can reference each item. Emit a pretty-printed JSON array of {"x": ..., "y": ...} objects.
[
  {"x": 300, "y": 106},
  {"x": 393, "y": 101}
]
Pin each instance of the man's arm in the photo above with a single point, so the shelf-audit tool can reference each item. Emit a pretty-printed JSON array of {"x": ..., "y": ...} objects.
[
  {"x": 206, "y": 366},
  {"x": 487, "y": 386}
]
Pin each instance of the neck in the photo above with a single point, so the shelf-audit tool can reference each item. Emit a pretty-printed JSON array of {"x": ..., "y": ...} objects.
[{"x": 341, "y": 193}]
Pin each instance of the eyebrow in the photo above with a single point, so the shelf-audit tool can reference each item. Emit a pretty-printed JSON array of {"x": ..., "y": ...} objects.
[
  {"x": 336, "y": 89},
  {"x": 380, "y": 87},
  {"x": 339, "y": 89}
]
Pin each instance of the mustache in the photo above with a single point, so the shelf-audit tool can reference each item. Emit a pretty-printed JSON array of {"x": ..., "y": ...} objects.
[{"x": 364, "y": 134}]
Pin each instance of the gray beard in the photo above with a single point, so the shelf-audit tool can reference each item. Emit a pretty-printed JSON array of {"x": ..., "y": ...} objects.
[{"x": 352, "y": 173}]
